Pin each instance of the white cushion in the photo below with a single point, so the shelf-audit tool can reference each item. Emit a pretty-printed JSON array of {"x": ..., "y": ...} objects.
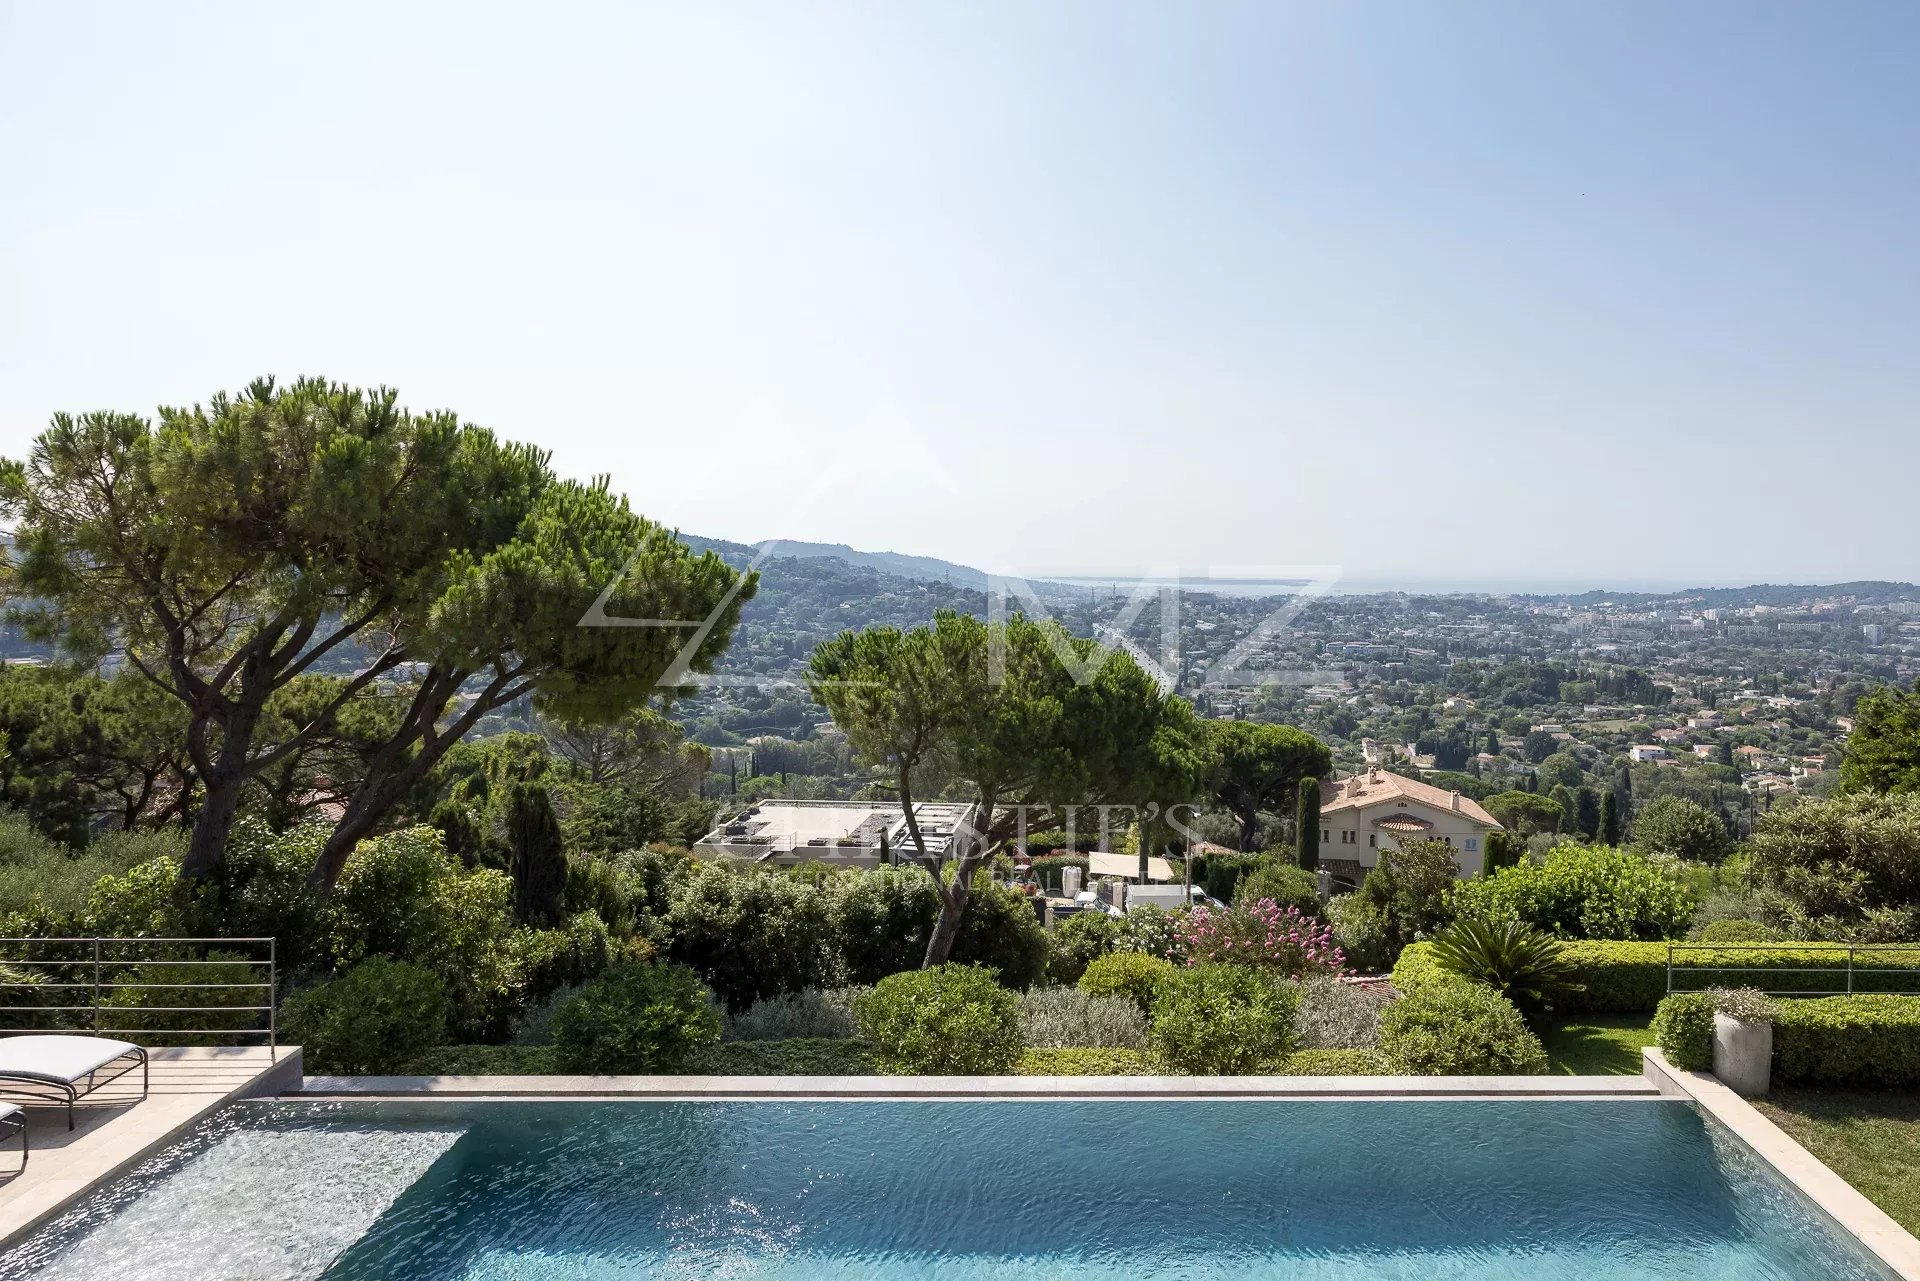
[
  {"x": 9, "y": 1110},
  {"x": 62, "y": 1058}
]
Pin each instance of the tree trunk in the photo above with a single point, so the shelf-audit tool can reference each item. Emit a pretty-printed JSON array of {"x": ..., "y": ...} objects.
[
  {"x": 946, "y": 927},
  {"x": 1249, "y": 823},
  {"x": 220, "y": 802}
]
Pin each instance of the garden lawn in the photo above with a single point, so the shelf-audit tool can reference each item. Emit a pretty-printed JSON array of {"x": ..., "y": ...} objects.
[
  {"x": 1872, "y": 1140},
  {"x": 1597, "y": 1044}
]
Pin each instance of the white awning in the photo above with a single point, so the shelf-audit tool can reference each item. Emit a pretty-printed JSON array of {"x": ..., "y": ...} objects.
[{"x": 1127, "y": 867}]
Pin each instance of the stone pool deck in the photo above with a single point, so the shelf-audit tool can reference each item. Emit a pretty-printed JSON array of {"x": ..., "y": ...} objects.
[{"x": 115, "y": 1127}]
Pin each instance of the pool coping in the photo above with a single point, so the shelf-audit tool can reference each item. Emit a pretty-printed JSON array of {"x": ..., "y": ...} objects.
[
  {"x": 738, "y": 1088},
  {"x": 1897, "y": 1249}
]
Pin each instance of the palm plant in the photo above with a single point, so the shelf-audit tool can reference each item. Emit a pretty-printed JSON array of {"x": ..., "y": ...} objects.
[{"x": 1523, "y": 964}]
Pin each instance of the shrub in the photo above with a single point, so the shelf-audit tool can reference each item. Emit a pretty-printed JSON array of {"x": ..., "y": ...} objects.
[
  {"x": 1134, "y": 975},
  {"x": 595, "y": 885},
  {"x": 1263, "y": 935},
  {"x": 1152, "y": 930},
  {"x": 797, "y": 1056},
  {"x": 1333, "y": 1062},
  {"x": 36, "y": 871},
  {"x": 750, "y": 935},
  {"x": 1417, "y": 966},
  {"x": 1632, "y": 977},
  {"x": 539, "y": 962},
  {"x": 809, "y": 1014},
  {"x": 1077, "y": 941},
  {"x": 1745, "y": 1004},
  {"x": 379, "y": 1017},
  {"x": 1582, "y": 892},
  {"x": 634, "y": 1018},
  {"x": 880, "y": 921},
  {"x": 1679, "y": 828},
  {"x": 227, "y": 981},
  {"x": 1083, "y": 1061},
  {"x": 1736, "y": 931},
  {"x": 951, "y": 1019},
  {"x": 1281, "y": 881},
  {"x": 1683, "y": 1029},
  {"x": 1001, "y": 932},
  {"x": 1869, "y": 1040},
  {"x": 1362, "y": 932},
  {"x": 1060, "y": 1017},
  {"x": 486, "y": 1060},
  {"x": 1337, "y": 1016},
  {"x": 1222, "y": 1020},
  {"x": 403, "y": 896},
  {"x": 1458, "y": 1028},
  {"x": 1410, "y": 891},
  {"x": 1833, "y": 868},
  {"x": 1520, "y": 963},
  {"x": 1219, "y": 874}
]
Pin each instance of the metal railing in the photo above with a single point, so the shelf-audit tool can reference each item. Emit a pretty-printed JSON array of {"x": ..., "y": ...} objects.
[
  {"x": 98, "y": 986},
  {"x": 1856, "y": 968}
]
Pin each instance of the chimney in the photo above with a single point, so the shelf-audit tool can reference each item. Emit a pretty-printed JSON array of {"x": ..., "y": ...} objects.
[{"x": 1456, "y": 801}]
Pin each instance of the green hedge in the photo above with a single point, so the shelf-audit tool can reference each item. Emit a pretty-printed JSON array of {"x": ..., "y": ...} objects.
[
  {"x": 1632, "y": 977},
  {"x": 1334, "y": 1063},
  {"x": 1848, "y": 1040},
  {"x": 1683, "y": 1029},
  {"x": 1084, "y": 1061}
]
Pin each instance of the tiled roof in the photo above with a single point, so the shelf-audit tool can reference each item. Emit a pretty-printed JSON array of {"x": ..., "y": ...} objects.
[{"x": 1378, "y": 785}]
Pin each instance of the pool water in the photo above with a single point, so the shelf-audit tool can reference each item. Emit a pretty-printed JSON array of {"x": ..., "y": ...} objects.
[{"x": 891, "y": 1191}]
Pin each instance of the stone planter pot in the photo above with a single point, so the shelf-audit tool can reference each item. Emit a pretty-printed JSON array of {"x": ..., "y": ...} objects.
[{"x": 1742, "y": 1054}]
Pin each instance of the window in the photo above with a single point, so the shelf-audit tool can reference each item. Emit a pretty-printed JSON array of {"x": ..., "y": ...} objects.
[
  {"x": 1473, "y": 844},
  {"x": 1373, "y": 840},
  {"x": 1326, "y": 835}
]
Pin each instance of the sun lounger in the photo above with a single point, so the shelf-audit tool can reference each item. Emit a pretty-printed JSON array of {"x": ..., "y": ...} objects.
[
  {"x": 67, "y": 1066},
  {"x": 13, "y": 1121}
]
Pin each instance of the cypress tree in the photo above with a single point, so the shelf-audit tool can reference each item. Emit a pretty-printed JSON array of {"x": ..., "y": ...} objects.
[
  {"x": 1609, "y": 819},
  {"x": 538, "y": 861},
  {"x": 1586, "y": 816},
  {"x": 1306, "y": 825}
]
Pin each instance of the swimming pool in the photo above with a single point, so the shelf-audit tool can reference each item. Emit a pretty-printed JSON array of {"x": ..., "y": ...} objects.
[{"x": 1202, "y": 1190}]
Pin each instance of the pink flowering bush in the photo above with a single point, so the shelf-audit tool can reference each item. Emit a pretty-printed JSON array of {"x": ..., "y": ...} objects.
[{"x": 1260, "y": 934}]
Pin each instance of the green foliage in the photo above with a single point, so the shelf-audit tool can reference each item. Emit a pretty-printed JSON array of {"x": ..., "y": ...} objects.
[
  {"x": 1524, "y": 814},
  {"x": 946, "y": 1020},
  {"x": 377, "y": 1018},
  {"x": 636, "y": 1017},
  {"x": 1083, "y": 1061},
  {"x": 1582, "y": 892},
  {"x": 1057, "y": 1017},
  {"x": 880, "y": 921},
  {"x": 1134, "y": 975},
  {"x": 1676, "y": 827},
  {"x": 595, "y": 885},
  {"x": 1407, "y": 895},
  {"x": 1254, "y": 766},
  {"x": 1077, "y": 942},
  {"x": 1458, "y": 1028},
  {"x": 1363, "y": 932},
  {"x": 999, "y": 930},
  {"x": 541, "y": 962},
  {"x": 1519, "y": 962},
  {"x": 1334, "y": 1063},
  {"x": 536, "y": 859},
  {"x": 403, "y": 896},
  {"x": 1737, "y": 931},
  {"x": 1048, "y": 868},
  {"x": 1152, "y": 930},
  {"x": 1871, "y": 1041},
  {"x": 1306, "y": 825},
  {"x": 1883, "y": 751},
  {"x": 750, "y": 935},
  {"x": 486, "y": 1060},
  {"x": 1337, "y": 1016},
  {"x": 1848, "y": 868},
  {"x": 1222, "y": 1020},
  {"x": 233, "y": 984},
  {"x": 798, "y": 1056},
  {"x": 809, "y": 1014},
  {"x": 1283, "y": 882},
  {"x": 37, "y": 873},
  {"x": 1621, "y": 977},
  {"x": 1683, "y": 1029},
  {"x": 1219, "y": 874}
]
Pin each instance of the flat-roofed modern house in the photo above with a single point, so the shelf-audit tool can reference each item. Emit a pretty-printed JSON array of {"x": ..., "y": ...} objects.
[
  {"x": 1361, "y": 815},
  {"x": 784, "y": 833}
]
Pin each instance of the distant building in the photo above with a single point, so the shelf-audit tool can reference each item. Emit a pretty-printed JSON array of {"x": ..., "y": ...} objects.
[
  {"x": 1874, "y": 633},
  {"x": 785, "y": 833},
  {"x": 1361, "y": 815},
  {"x": 1647, "y": 752}
]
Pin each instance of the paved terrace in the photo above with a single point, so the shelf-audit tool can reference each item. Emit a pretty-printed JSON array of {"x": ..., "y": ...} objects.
[{"x": 114, "y": 1126}]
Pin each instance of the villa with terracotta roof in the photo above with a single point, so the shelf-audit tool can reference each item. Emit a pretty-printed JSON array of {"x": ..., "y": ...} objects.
[{"x": 1361, "y": 815}]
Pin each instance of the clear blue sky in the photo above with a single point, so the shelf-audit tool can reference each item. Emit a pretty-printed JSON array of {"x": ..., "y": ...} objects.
[{"x": 1464, "y": 293}]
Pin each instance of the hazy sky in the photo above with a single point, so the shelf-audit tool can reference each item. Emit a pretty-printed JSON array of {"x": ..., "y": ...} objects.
[{"x": 1467, "y": 293}]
